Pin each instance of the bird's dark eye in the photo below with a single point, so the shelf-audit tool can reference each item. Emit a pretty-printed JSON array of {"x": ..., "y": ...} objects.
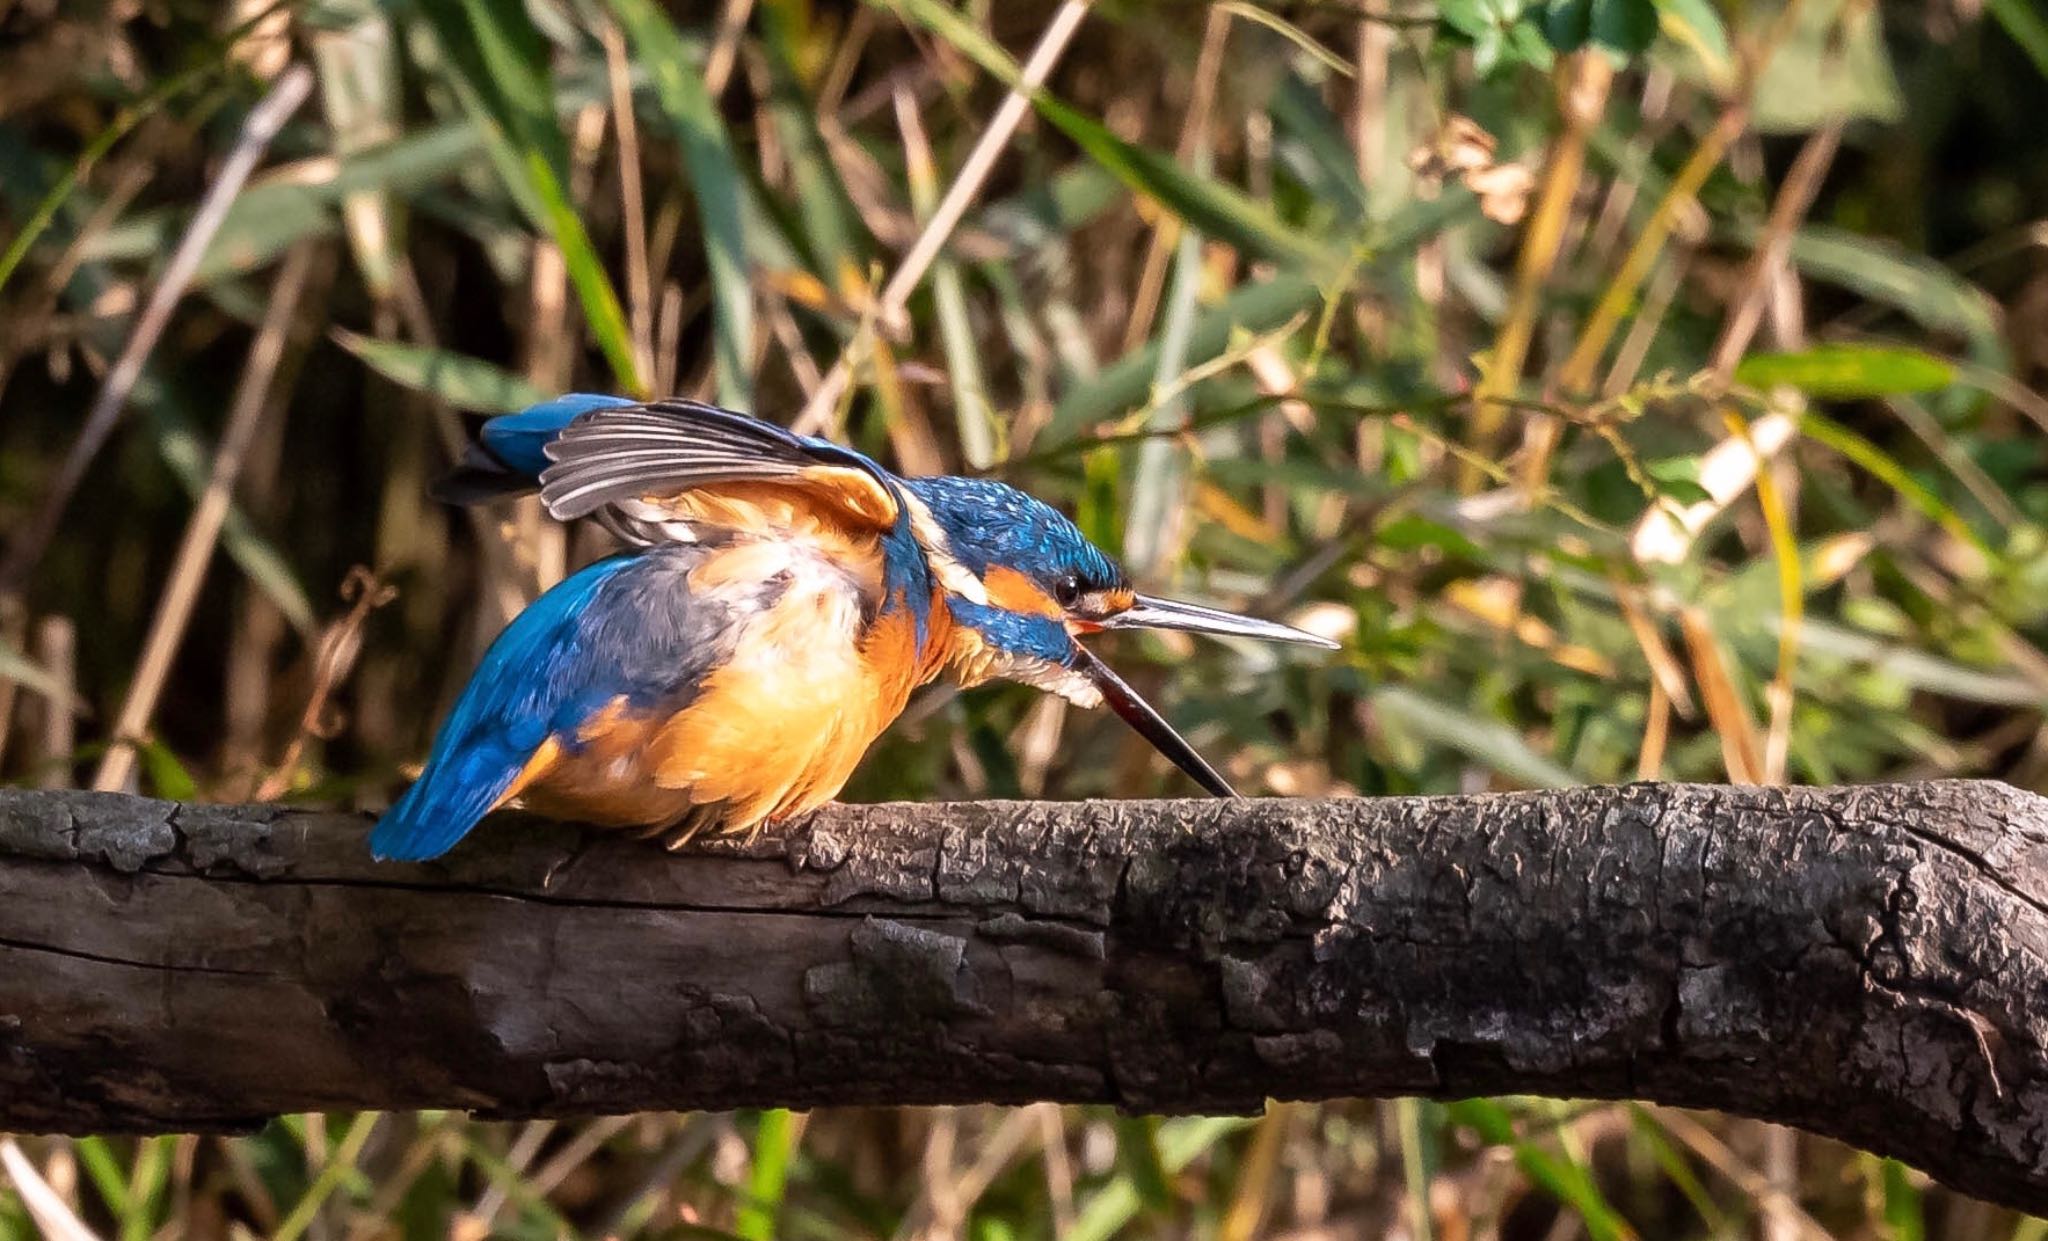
[{"x": 1067, "y": 590}]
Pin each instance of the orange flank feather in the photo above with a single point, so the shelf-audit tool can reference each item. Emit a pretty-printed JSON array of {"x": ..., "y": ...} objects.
[{"x": 827, "y": 504}]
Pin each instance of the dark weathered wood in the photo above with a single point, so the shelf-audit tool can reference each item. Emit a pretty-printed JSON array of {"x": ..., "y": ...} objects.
[{"x": 1870, "y": 963}]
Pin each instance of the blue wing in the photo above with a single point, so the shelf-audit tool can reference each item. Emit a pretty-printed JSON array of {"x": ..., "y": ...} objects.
[{"x": 620, "y": 627}]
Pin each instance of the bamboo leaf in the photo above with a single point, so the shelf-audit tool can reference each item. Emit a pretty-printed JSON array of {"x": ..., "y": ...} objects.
[
  {"x": 1849, "y": 371},
  {"x": 1488, "y": 741},
  {"x": 1888, "y": 471},
  {"x": 1695, "y": 24},
  {"x": 460, "y": 381}
]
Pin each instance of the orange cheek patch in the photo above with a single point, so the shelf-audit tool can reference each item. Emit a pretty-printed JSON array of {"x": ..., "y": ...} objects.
[{"x": 1014, "y": 592}]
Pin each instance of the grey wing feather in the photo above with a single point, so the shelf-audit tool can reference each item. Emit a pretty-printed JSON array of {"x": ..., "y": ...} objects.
[{"x": 615, "y": 455}]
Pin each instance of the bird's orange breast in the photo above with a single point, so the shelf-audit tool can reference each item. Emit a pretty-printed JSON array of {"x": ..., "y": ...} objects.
[{"x": 773, "y": 732}]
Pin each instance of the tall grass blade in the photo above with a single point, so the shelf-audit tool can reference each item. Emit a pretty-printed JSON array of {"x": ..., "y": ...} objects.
[
  {"x": 1488, "y": 741},
  {"x": 714, "y": 180},
  {"x": 2023, "y": 20},
  {"x": 462, "y": 382},
  {"x": 774, "y": 1145}
]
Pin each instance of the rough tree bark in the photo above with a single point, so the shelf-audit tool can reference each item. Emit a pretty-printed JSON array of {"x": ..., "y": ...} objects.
[{"x": 1870, "y": 963}]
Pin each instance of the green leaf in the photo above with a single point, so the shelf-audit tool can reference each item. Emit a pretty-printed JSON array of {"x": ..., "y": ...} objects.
[
  {"x": 831, "y": 224},
  {"x": 1832, "y": 67},
  {"x": 1124, "y": 385},
  {"x": 461, "y": 381},
  {"x": 1560, "y": 1176},
  {"x": 1568, "y": 24},
  {"x": 1678, "y": 478},
  {"x": 1255, "y": 308},
  {"x": 190, "y": 463},
  {"x": 1106, "y": 1214},
  {"x": 1471, "y": 18},
  {"x": 1915, "y": 285},
  {"x": 266, "y": 219},
  {"x": 1624, "y": 26},
  {"x": 1848, "y": 372},
  {"x": 1412, "y": 532},
  {"x": 1819, "y": 640},
  {"x": 1487, "y": 741},
  {"x": 215, "y": 57},
  {"x": 1889, "y": 472},
  {"x": 775, "y": 1141},
  {"x": 1904, "y": 1213},
  {"x": 1695, "y": 24},
  {"x": 168, "y": 777},
  {"x": 107, "y": 1173},
  {"x": 1137, "y": 1153},
  {"x": 714, "y": 180},
  {"x": 361, "y": 96},
  {"x": 1158, "y": 478},
  {"x": 2023, "y": 20}
]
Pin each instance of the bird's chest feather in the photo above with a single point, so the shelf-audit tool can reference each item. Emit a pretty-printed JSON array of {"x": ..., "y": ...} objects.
[{"x": 812, "y": 674}]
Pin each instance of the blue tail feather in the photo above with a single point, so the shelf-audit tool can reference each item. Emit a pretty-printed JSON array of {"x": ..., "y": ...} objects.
[
  {"x": 520, "y": 440},
  {"x": 537, "y": 679},
  {"x": 511, "y": 450}
]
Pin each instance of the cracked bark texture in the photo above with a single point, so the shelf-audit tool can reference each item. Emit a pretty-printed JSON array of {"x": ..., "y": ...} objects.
[{"x": 1870, "y": 963}]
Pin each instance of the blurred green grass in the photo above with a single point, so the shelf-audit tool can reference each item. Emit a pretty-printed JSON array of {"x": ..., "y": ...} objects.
[{"x": 1314, "y": 321}]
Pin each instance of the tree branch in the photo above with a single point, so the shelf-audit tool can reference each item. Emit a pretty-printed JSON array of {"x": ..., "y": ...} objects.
[{"x": 1870, "y": 963}]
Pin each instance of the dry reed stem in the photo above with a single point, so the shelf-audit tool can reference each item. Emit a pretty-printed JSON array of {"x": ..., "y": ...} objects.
[
  {"x": 261, "y": 126},
  {"x": 967, "y": 183},
  {"x": 632, "y": 202},
  {"x": 1576, "y": 375},
  {"x": 13, "y": 629},
  {"x": 53, "y": 1216},
  {"x": 1194, "y": 132},
  {"x": 1656, "y": 734},
  {"x": 333, "y": 659},
  {"x": 1250, "y": 1205},
  {"x": 1768, "y": 1197},
  {"x": 57, "y": 651},
  {"x": 1583, "y": 86},
  {"x": 1659, "y": 536},
  {"x": 195, "y": 549},
  {"x": 1795, "y": 198},
  {"x": 1726, "y": 711},
  {"x": 725, "y": 46}
]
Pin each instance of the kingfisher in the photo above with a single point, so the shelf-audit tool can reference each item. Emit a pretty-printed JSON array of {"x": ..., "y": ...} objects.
[{"x": 777, "y": 599}]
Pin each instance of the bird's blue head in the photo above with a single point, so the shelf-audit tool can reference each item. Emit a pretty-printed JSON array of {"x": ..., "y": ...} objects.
[
  {"x": 1030, "y": 560},
  {"x": 1022, "y": 582}
]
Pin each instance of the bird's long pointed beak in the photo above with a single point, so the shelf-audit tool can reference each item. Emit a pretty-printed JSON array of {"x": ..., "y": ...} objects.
[
  {"x": 1151, "y": 613},
  {"x": 1149, "y": 724}
]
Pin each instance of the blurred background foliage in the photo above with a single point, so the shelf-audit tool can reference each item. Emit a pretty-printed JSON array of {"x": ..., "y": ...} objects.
[{"x": 1636, "y": 387}]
